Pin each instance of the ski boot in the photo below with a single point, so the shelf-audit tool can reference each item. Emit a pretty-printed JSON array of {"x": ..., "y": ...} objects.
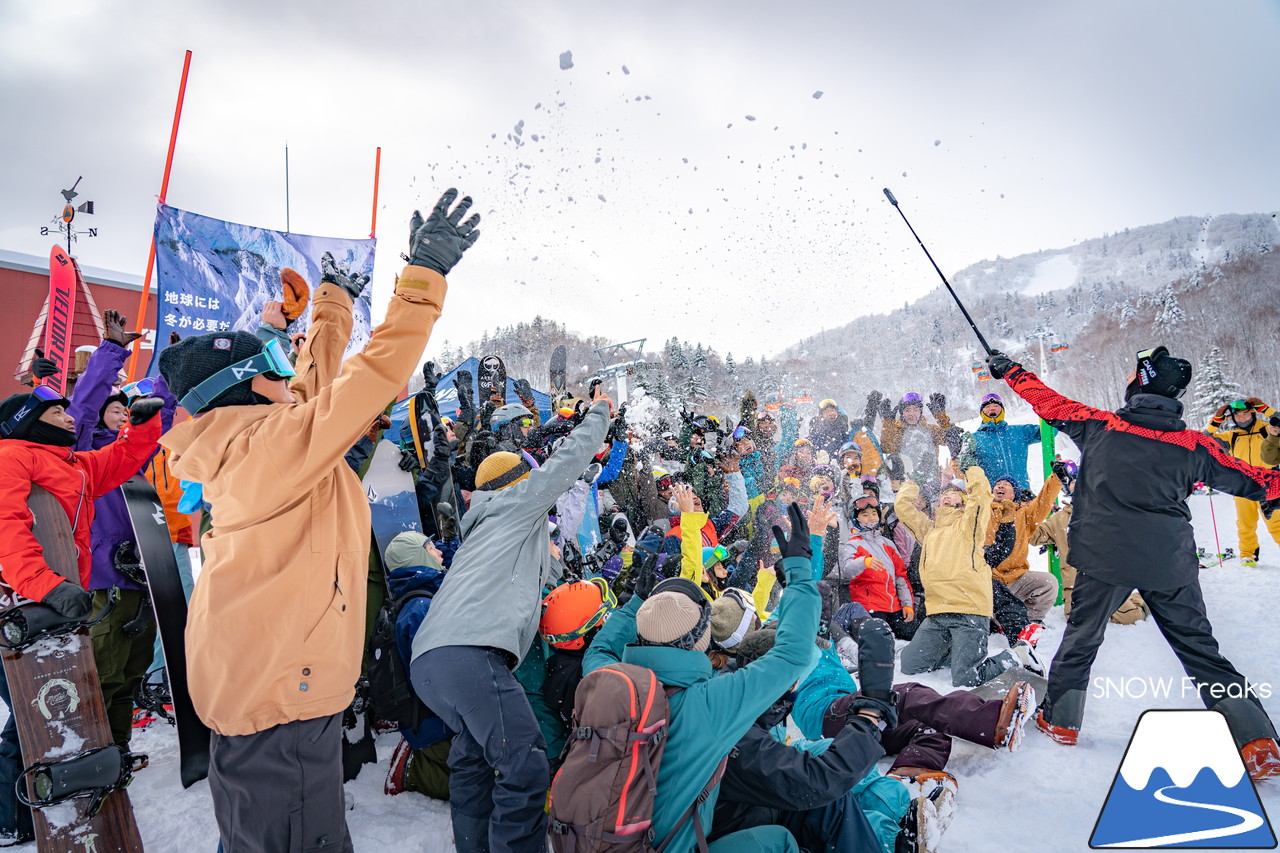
[
  {"x": 1026, "y": 655},
  {"x": 1031, "y": 633},
  {"x": 933, "y": 806},
  {"x": 1015, "y": 710},
  {"x": 1261, "y": 758},
  {"x": 399, "y": 767},
  {"x": 1250, "y": 560}
]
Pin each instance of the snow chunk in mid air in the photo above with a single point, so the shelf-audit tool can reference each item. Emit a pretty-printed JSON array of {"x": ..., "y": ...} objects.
[{"x": 566, "y": 60}]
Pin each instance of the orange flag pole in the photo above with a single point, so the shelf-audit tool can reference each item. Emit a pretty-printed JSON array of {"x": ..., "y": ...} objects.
[
  {"x": 377, "y": 169},
  {"x": 164, "y": 191}
]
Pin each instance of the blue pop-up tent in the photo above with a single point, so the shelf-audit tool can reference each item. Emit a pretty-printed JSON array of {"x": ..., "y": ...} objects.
[{"x": 447, "y": 398}]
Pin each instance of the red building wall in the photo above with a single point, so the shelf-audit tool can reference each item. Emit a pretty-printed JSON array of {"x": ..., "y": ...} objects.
[{"x": 22, "y": 294}]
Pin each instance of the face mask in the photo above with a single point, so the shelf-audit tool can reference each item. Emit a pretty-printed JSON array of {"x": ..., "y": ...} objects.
[{"x": 43, "y": 433}]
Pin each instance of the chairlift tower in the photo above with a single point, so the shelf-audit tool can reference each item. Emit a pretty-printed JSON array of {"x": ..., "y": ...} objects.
[{"x": 618, "y": 361}]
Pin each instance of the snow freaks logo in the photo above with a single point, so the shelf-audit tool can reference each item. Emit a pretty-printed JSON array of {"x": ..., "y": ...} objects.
[{"x": 1182, "y": 783}]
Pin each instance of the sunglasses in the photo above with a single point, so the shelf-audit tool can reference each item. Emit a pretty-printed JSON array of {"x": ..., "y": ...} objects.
[
  {"x": 40, "y": 395},
  {"x": 271, "y": 361}
]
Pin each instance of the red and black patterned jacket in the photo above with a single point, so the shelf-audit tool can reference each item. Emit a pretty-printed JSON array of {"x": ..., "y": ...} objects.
[{"x": 1131, "y": 525}]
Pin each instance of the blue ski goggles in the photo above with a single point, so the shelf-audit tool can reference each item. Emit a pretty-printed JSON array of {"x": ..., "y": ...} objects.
[
  {"x": 40, "y": 396},
  {"x": 141, "y": 388},
  {"x": 271, "y": 361}
]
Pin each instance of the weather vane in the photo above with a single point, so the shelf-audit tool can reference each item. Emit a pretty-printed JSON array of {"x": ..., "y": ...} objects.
[{"x": 63, "y": 221}]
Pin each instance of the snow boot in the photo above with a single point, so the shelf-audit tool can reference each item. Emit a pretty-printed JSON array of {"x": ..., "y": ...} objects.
[
  {"x": 1261, "y": 758},
  {"x": 1015, "y": 711},
  {"x": 399, "y": 767},
  {"x": 1026, "y": 654},
  {"x": 1061, "y": 720},
  {"x": 1031, "y": 633},
  {"x": 1251, "y": 560},
  {"x": 933, "y": 806}
]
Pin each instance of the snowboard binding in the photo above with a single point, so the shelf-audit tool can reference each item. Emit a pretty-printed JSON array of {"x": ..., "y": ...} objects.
[
  {"x": 93, "y": 773},
  {"x": 153, "y": 695},
  {"x": 28, "y": 623}
]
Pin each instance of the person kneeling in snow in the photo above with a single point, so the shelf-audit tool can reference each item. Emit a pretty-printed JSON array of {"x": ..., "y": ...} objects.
[
  {"x": 276, "y": 627},
  {"x": 957, "y": 584}
]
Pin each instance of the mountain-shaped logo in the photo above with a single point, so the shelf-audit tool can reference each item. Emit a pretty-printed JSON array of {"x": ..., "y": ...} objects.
[{"x": 1182, "y": 783}]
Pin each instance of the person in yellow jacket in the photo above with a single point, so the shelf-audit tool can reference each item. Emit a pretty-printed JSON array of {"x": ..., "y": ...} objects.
[
  {"x": 1244, "y": 427},
  {"x": 1008, "y": 535},
  {"x": 276, "y": 626},
  {"x": 957, "y": 584}
]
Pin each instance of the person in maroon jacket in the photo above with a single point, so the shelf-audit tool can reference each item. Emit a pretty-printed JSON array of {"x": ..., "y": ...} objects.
[
  {"x": 36, "y": 440},
  {"x": 1131, "y": 529}
]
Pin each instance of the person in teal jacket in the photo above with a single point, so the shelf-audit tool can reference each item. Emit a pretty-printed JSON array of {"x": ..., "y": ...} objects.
[
  {"x": 669, "y": 632},
  {"x": 1000, "y": 448}
]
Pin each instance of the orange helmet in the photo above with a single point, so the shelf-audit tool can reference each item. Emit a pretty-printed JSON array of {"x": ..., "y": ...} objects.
[{"x": 572, "y": 610}]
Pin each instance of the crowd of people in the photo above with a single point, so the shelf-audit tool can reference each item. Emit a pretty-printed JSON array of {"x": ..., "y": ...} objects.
[{"x": 611, "y": 634}]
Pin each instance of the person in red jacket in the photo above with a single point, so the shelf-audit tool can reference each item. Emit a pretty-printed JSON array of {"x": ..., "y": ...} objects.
[
  {"x": 875, "y": 571},
  {"x": 36, "y": 437}
]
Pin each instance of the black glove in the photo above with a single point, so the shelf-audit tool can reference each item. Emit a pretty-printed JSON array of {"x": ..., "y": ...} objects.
[
  {"x": 69, "y": 600},
  {"x": 937, "y": 403},
  {"x": 893, "y": 464},
  {"x": 618, "y": 429},
  {"x": 647, "y": 576},
  {"x": 875, "y": 658},
  {"x": 430, "y": 378},
  {"x": 352, "y": 282},
  {"x": 886, "y": 708},
  {"x": 409, "y": 460},
  {"x": 43, "y": 368},
  {"x": 999, "y": 364},
  {"x": 1274, "y": 421},
  {"x": 438, "y": 243},
  {"x": 873, "y": 408},
  {"x": 1059, "y": 469},
  {"x": 797, "y": 545},
  {"x": 145, "y": 409},
  {"x": 524, "y": 390},
  {"x": 887, "y": 411},
  {"x": 466, "y": 406},
  {"x": 1268, "y": 507},
  {"x": 486, "y": 414}
]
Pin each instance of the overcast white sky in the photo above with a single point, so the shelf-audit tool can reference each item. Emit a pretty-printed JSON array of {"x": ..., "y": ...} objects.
[{"x": 1002, "y": 127}]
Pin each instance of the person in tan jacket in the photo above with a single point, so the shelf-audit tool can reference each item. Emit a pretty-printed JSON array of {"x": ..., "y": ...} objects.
[
  {"x": 276, "y": 625},
  {"x": 1009, "y": 534},
  {"x": 957, "y": 584}
]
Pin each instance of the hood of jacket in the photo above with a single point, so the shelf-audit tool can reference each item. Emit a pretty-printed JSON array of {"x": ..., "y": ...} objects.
[
  {"x": 407, "y": 579},
  {"x": 1153, "y": 411},
  {"x": 674, "y": 667}
]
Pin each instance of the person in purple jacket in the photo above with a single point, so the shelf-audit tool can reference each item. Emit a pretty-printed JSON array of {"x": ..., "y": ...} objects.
[{"x": 123, "y": 644}]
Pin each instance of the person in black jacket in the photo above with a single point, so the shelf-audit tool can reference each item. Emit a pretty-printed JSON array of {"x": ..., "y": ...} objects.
[{"x": 1131, "y": 529}]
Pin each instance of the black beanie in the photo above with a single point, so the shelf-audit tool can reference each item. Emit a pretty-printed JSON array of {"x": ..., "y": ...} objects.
[
  {"x": 13, "y": 403},
  {"x": 190, "y": 361},
  {"x": 1160, "y": 373},
  {"x": 118, "y": 397}
]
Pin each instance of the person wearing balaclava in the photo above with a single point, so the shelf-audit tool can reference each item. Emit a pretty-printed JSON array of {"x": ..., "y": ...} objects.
[
  {"x": 36, "y": 440},
  {"x": 276, "y": 625},
  {"x": 1131, "y": 529}
]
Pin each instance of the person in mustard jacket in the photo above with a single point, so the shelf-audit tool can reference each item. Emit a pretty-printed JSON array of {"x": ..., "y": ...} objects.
[
  {"x": 1009, "y": 534},
  {"x": 1245, "y": 433},
  {"x": 957, "y": 585},
  {"x": 276, "y": 626}
]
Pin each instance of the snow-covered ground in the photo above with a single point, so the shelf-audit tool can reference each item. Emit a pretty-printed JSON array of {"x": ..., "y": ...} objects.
[{"x": 1044, "y": 797}]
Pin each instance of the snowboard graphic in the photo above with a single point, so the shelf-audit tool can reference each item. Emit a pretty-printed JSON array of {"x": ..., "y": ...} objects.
[
  {"x": 57, "y": 700},
  {"x": 146, "y": 514},
  {"x": 493, "y": 380},
  {"x": 63, "y": 276},
  {"x": 393, "y": 503},
  {"x": 559, "y": 379}
]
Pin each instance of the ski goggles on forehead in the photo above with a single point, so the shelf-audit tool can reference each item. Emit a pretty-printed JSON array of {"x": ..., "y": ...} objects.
[
  {"x": 141, "y": 388},
  {"x": 271, "y": 361},
  {"x": 1071, "y": 468},
  {"x": 663, "y": 483},
  {"x": 992, "y": 398},
  {"x": 40, "y": 395},
  {"x": 859, "y": 504},
  {"x": 911, "y": 397},
  {"x": 744, "y": 624},
  {"x": 828, "y": 402},
  {"x": 1239, "y": 406},
  {"x": 740, "y": 433}
]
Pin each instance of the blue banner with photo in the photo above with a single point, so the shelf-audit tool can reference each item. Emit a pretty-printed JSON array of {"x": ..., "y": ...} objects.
[{"x": 216, "y": 276}]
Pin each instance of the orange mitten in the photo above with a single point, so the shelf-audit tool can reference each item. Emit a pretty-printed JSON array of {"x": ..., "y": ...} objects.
[{"x": 296, "y": 293}]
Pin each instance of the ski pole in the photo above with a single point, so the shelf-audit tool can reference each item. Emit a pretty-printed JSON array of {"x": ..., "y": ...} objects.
[
  {"x": 1214, "y": 516},
  {"x": 951, "y": 290}
]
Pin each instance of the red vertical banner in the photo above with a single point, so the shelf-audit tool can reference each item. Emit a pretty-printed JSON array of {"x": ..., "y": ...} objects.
[{"x": 62, "y": 308}]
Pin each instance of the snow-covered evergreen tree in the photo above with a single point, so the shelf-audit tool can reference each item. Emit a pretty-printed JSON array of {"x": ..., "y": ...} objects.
[
  {"x": 1213, "y": 388},
  {"x": 1169, "y": 314}
]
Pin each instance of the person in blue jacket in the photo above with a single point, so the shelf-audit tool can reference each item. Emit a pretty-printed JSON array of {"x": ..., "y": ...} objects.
[
  {"x": 668, "y": 630},
  {"x": 998, "y": 447}
]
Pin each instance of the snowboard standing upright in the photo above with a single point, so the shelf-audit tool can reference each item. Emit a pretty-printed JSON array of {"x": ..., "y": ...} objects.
[
  {"x": 146, "y": 514},
  {"x": 493, "y": 380},
  {"x": 57, "y": 700},
  {"x": 393, "y": 502},
  {"x": 559, "y": 379}
]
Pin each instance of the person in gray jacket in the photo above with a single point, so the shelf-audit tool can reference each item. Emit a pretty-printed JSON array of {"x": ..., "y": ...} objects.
[{"x": 479, "y": 628}]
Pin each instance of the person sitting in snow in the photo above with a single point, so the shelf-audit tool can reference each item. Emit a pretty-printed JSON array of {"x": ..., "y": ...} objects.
[
  {"x": 1008, "y": 537},
  {"x": 871, "y": 572},
  {"x": 957, "y": 584},
  {"x": 1132, "y": 529}
]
